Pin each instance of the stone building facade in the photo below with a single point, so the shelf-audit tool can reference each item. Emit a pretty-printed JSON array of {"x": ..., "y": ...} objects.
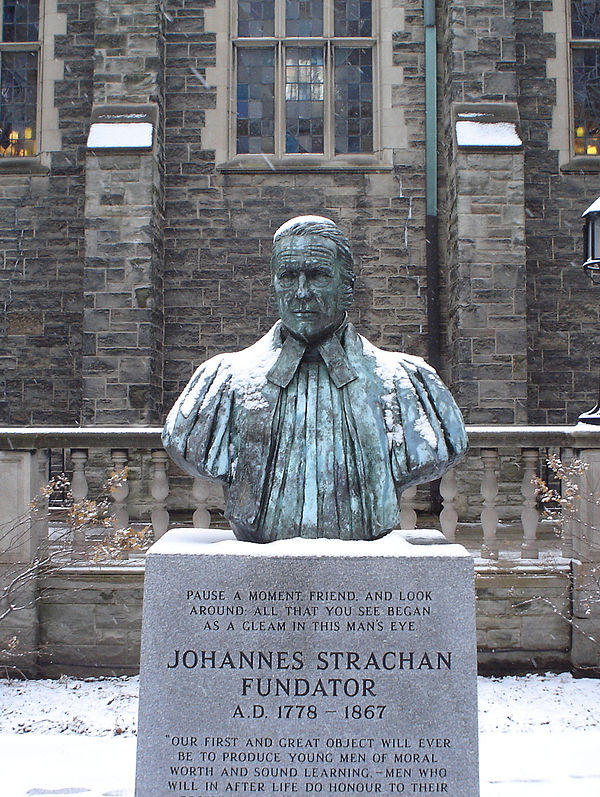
[{"x": 125, "y": 261}]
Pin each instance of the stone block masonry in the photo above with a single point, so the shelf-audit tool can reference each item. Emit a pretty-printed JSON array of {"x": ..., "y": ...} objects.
[
  {"x": 487, "y": 294},
  {"x": 87, "y": 239},
  {"x": 122, "y": 317},
  {"x": 90, "y": 621},
  {"x": 122, "y": 290},
  {"x": 224, "y": 263},
  {"x": 562, "y": 306},
  {"x": 221, "y": 219},
  {"x": 42, "y": 247}
]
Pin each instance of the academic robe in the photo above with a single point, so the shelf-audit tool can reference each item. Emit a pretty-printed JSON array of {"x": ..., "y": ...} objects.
[{"x": 315, "y": 441}]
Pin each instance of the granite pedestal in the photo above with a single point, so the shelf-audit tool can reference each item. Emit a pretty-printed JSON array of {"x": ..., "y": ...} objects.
[{"x": 307, "y": 667}]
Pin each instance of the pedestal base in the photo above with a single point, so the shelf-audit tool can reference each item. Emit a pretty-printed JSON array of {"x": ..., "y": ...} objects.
[{"x": 307, "y": 667}]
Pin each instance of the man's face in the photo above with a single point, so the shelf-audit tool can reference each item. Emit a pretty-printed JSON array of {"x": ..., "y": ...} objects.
[{"x": 308, "y": 285}]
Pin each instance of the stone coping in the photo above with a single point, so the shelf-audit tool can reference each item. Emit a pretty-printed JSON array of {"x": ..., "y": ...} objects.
[
  {"x": 524, "y": 567},
  {"x": 581, "y": 435}
]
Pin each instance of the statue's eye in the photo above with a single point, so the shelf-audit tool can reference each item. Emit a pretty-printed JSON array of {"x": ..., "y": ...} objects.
[
  {"x": 317, "y": 274},
  {"x": 285, "y": 276}
]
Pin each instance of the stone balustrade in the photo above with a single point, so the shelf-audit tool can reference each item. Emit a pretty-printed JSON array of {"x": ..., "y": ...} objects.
[
  {"x": 477, "y": 499},
  {"x": 537, "y": 592}
]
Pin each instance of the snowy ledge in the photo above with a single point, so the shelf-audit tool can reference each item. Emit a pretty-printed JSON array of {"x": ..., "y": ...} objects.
[
  {"x": 120, "y": 135},
  {"x": 487, "y": 126},
  {"x": 483, "y": 134},
  {"x": 222, "y": 542}
]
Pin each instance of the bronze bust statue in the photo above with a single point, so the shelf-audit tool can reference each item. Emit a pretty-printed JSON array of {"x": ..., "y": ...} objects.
[{"x": 313, "y": 430}]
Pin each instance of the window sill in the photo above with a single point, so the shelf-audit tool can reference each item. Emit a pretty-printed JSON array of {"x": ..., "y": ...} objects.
[
  {"x": 254, "y": 164},
  {"x": 22, "y": 166},
  {"x": 582, "y": 164}
]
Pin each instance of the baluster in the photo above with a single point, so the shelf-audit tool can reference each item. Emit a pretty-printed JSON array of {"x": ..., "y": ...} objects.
[
  {"x": 39, "y": 520},
  {"x": 160, "y": 491},
  {"x": 119, "y": 509},
  {"x": 449, "y": 515},
  {"x": 408, "y": 516},
  {"x": 201, "y": 494},
  {"x": 489, "y": 513},
  {"x": 79, "y": 491},
  {"x": 568, "y": 520},
  {"x": 529, "y": 515}
]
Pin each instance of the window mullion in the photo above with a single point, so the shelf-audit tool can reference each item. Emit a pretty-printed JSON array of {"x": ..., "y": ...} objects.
[
  {"x": 40, "y": 77},
  {"x": 279, "y": 18},
  {"x": 280, "y": 78},
  {"x": 328, "y": 19},
  {"x": 279, "y": 99},
  {"x": 233, "y": 99},
  {"x": 329, "y": 119}
]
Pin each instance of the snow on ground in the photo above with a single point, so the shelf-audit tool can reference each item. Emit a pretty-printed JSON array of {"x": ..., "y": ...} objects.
[{"x": 539, "y": 737}]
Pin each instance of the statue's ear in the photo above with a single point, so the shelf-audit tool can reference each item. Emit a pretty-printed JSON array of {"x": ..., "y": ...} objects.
[{"x": 346, "y": 296}]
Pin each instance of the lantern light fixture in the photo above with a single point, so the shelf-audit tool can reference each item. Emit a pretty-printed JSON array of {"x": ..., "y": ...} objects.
[
  {"x": 591, "y": 246},
  {"x": 591, "y": 241}
]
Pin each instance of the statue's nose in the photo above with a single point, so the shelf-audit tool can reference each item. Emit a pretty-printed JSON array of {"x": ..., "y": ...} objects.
[{"x": 302, "y": 291}]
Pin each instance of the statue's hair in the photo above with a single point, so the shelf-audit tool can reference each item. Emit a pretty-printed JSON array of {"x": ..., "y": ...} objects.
[{"x": 319, "y": 225}]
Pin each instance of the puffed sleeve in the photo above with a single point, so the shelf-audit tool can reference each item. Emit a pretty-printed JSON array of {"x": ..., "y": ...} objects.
[
  {"x": 197, "y": 431},
  {"x": 425, "y": 426}
]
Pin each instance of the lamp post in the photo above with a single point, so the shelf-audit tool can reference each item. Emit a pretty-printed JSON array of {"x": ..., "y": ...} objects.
[{"x": 591, "y": 248}]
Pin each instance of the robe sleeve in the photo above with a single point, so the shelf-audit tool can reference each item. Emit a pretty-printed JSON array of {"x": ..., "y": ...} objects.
[
  {"x": 197, "y": 431},
  {"x": 427, "y": 431}
]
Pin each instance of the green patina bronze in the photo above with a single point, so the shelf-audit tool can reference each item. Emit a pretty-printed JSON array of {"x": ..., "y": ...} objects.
[{"x": 314, "y": 431}]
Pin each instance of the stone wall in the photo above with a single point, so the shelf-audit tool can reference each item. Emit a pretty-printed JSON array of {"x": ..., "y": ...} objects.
[
  {"x": 123, "y": 323},
  {"x": 520, "y": 619},
  {"x": 562, "y": 305},
  {"x": 221, "y": 217},
  {"x": 90, "y": 621},
  {"x": 86, "y": 240},
  {"x": 482, "y": 207},
  {"x": 42, "y": 248}
]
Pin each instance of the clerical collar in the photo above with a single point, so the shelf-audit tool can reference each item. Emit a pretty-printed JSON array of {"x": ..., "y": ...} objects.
[{"x": 330, "y": 349}]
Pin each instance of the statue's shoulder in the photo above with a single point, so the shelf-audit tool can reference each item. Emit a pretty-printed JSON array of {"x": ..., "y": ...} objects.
[
  {"x": 392, "y": 364},
  {"x": 251, "y": 359}
]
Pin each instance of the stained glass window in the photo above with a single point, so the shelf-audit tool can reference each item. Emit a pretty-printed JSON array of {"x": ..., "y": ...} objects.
[
  {"x": 296, "y": 95},
  {"x": 18, "y": 77},
  {"x": 585, "y": 19},
  {"x": 352, "y": 17},
  {"x": 585, "y": 60},
  {"x": 353, "y": 100},
  {"x": 304, "y": 17},
  {"x": 304, "y": 95},
  {"x": 586, "y": 100},
  {"x": 20, "y": 20},
  {"x": 255, "y": 100},
  {"x": 256, "y": 17}
]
